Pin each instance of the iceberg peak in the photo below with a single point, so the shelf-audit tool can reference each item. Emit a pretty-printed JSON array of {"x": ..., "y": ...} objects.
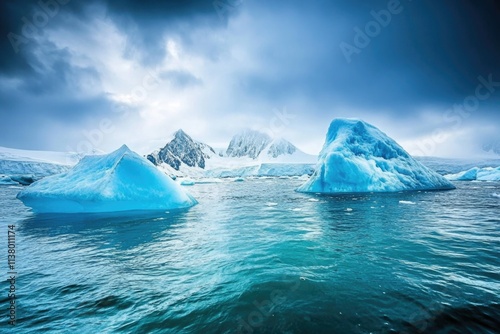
[
  {"x": 358, "y": 157},
  {"x": 124, "y": 149}
]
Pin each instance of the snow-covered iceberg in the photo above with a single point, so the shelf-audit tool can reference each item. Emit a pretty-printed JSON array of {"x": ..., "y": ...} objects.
[
  {"x": 476, "y": 173},
  {"x": 358, "y": 157},
  {"x": 119, "y": 181}
]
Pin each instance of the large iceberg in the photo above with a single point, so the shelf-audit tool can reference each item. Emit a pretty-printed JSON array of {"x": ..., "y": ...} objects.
[
  {"x": 358, "y": 157},
  {"x": 119, "y": 181}
]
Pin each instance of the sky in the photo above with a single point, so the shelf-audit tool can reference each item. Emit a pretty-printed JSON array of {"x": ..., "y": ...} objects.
[{"x": 93, "y": 75}]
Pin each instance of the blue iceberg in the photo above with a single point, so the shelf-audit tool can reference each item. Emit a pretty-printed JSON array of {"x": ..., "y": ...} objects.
[
  {"x": 476, "y": 174},
  {"x": 119, "y": 181},
  {"x": 358, "y": 157}
]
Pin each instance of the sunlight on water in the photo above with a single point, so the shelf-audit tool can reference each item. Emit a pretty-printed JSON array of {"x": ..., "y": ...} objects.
[{"x": 257, "y": 257}]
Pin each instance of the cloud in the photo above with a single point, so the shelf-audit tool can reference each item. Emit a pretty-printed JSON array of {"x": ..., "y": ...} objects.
[
  {"x": 180, "y": 79},
  {"x": 214, "y": 70}
]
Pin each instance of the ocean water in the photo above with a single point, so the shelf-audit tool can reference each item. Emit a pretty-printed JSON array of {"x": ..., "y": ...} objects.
[{"x": 257, "y": 257}]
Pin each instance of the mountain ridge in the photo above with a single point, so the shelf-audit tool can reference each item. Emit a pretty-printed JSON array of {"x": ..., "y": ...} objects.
[{"x": 255, "y": 146}]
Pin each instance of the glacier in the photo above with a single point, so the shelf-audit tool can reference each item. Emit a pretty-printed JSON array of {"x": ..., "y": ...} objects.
[
  {"x": 358, "y": 157},
  {"x": 476, "y": 174},
  {"x": 24, "y": 166},
  {"x": 262, "y": 170},
  {"x": 119, "y": 181}
]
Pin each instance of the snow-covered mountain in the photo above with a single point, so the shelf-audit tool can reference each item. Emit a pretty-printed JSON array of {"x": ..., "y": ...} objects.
[
  {"x": 259, "y": 146},
  {"x": 249, "y": 153},
  {"x": 182, "y": 149},
  {"x": 279, "y": 147},
  {"x": 248, "y": 143}
]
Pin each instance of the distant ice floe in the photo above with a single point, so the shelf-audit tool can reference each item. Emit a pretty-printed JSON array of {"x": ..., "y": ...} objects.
[
  {"x": 6, "y": 180},
  {"x": 476, "y": 174},
  {"x": 187, "y": 182}
]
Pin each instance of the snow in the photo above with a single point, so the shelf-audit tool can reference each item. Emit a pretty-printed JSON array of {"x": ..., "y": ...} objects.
[
  {"x": 119, "y": 181},
  {"x": 476, "y": 174},
  {"x": 248, "y": 143},
  {"x": 358, "y": 157},
  {"x": 259, "y": 146}
]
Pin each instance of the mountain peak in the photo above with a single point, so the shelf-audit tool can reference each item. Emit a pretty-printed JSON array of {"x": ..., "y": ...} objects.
[
  {"x": 182, "y": 149},
  {"x": 280, "y": 146},
  {"x": 180, "y": 133},
  {"x": 248, "y": 143}
]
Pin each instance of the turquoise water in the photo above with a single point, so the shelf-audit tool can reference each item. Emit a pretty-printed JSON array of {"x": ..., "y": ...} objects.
[{"x": 257, "y": 257}]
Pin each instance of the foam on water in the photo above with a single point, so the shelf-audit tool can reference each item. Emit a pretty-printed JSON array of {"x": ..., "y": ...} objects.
[{"x": 407, "y": 202}]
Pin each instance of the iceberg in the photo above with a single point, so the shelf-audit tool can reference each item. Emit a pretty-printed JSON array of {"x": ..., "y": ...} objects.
[
  {"x": 476, "y": 173},
  {"x": 468, "y": 175},
  {"x": 358, "y": 157},
  {"x": 187, "y": 182},
  {"x": 488, "y": 174},
  {"x": 7, "y": 180},
  {"x": 119, "y": 181}
]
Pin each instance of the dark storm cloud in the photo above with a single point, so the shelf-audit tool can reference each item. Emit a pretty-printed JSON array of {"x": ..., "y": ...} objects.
[
  {"x": 429, "y": 53},
  {"x": 46, "y": 90},
  {"x": 428, "y": 57},
  {"x": 145, "y": 22}
]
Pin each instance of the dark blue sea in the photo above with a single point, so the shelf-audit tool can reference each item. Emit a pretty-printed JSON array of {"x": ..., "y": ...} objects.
[{"x": 257, "y": 257}]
